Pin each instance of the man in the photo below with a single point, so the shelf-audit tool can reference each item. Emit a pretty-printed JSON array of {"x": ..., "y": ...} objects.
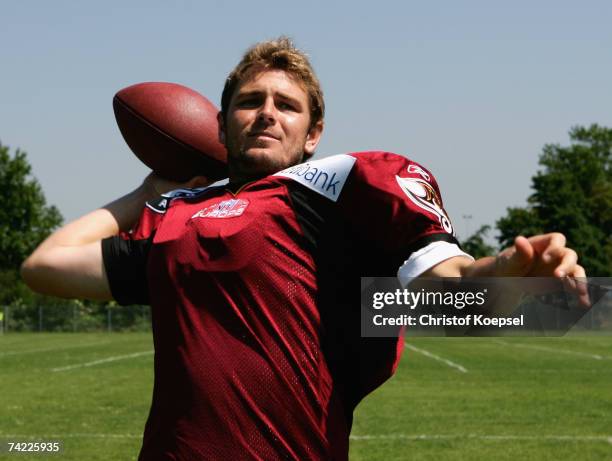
[{"x": 253, "y": 285}]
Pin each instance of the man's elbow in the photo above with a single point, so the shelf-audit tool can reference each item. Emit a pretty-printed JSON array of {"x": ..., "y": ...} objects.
[
  {"x": 33, "y": 273},
  {"x": 42, "y": 273},
  {"x": 67, "y": 272}
]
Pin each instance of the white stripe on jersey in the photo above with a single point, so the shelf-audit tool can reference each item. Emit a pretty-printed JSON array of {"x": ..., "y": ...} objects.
[{"x": 427, "y": 257}]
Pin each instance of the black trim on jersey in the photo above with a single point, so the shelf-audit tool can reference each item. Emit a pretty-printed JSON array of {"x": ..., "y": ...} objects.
[
  {"x": 340, "y": 252},
  {"x": 306, "y": 208},
  {"x": 431, "y": 238},
  {"x": 343, "y": 254},
  {"x": 125, "y": 262},
  {"x": 159, "y": 204}
]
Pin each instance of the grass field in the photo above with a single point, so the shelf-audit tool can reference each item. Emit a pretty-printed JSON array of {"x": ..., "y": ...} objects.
[{"x": 463, "y": 398}]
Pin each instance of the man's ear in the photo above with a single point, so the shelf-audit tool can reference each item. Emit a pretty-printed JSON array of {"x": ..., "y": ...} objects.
[
  {"x": 312, "y": 139},
  {"x": 221, "y": 124}
]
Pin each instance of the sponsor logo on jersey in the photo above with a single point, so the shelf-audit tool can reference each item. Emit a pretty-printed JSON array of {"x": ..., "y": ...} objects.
[
  {"x": 418, "y": 170},
  {"x": 225, "y": 209},
  {"x": 423, "y": 195},
  {"x": 326, "y": 176}
]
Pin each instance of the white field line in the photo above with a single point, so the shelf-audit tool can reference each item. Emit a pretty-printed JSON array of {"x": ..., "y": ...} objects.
[
  {"x": 98, "y": 362},
  {"x": 435, "y": 357},
  {"x": 560, "y": 438},
  {"x": 555, "y": 350},
  {"x": 50, "y": 349},
  {"x": 69, "y": 436}
]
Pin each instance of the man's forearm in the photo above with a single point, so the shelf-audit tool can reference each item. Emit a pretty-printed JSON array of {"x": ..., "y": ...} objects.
[
  {"x": 119, "y": 215},
  {"x": 483, "y": 267}
]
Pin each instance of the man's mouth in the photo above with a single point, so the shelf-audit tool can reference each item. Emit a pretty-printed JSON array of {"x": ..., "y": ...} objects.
[{"x": 263, "y": 135}]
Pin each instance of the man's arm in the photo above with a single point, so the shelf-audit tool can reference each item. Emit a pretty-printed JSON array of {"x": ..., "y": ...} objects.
[
  {"x": 69, "y": 262},
  {"x": 538, "y": 256}
]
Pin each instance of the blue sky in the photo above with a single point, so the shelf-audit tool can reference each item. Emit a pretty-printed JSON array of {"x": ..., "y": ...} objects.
[{"x": 470, "y": 89}]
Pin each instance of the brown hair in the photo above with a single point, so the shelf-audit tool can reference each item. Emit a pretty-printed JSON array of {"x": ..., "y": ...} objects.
[{"x": 277, "y": 54}]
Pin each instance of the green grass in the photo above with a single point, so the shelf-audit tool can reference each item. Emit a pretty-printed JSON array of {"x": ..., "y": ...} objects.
[
  {"x": 98, "y": 411},
  {"x": 521, "y": 398}
]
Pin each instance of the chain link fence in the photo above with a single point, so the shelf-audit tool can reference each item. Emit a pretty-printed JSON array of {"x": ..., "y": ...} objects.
[{"x": 74, "y": 316}]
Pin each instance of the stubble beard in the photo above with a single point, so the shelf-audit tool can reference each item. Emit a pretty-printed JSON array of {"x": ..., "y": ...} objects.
[{"x": 251, "y": 166}]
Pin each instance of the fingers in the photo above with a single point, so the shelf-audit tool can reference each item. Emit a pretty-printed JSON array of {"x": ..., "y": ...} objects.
[
  {"x": 161, "y": 185},
  {"x": 561, "y": 262},
  {"x": 545, "y": 243},
  {"x": 540, "y": 256},
  {"x": 198, "y": 181},
  {"x": 580, "y": 286},
  {"x": 516, "y": 260},
  {"x": 565, "y": 260},
  {"x": 578, "y": 272},
  {"x": 552, "y": 257},
  {"x": 544, "y": 256},
  {"x": 524, "y": 248}
]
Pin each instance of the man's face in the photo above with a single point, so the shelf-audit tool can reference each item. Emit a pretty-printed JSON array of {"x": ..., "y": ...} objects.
[{"x": 267, "y": 125}]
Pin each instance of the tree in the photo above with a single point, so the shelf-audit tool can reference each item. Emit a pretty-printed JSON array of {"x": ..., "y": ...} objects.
[
  {"x": 475, "y": 244},
  {"x": 25, "y": 220},
  {"x": 573, "y": 195}
]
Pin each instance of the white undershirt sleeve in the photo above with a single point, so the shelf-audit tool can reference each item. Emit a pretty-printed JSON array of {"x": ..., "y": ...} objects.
[{"x": 427, "y": 257}]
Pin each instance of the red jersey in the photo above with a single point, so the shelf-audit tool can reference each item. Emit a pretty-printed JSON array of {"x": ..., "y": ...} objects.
[{"x": 255, "y": 303}]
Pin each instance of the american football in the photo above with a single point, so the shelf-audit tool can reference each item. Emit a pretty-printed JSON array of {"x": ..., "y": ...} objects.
[{"x": 172, "y": 129}]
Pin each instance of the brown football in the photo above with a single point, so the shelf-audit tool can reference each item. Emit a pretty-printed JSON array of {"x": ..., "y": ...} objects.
[{"x": 172, "y": 129}]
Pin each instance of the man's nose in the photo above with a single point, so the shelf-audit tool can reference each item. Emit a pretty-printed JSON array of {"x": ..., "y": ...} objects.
[{"x": 267, "y": 111}]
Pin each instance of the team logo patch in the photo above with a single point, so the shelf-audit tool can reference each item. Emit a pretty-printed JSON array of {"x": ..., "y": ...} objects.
[
  {"x": 418, "y": 170},
  {"x": 225, "y": 209},
  {"x": 423, "y": 195}
]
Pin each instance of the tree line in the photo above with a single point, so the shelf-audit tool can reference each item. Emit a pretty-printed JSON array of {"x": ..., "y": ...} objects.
[
  {"x": 25, "y": 221},
  {"x": 571, "y": 193}
]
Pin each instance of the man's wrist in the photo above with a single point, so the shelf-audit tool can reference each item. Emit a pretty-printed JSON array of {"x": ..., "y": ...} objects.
[
  {"x": 483, "y": 267},
  {"x": 126, "y": 210}
]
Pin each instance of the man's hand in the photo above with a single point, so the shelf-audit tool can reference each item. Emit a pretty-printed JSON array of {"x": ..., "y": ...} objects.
[
  {"x": 545, "y": 256},
  {"x": 539, "y": 256},
  {"x": 156, "y": 185}
]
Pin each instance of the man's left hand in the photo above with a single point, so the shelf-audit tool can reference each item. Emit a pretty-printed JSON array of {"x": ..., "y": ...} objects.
[
  {"x": 539, "y": 256},
  {"x": 544, "y": 256}
]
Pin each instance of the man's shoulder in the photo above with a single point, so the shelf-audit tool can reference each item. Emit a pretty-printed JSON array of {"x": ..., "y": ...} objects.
[
  {"x": 329, "y": 175},
  {"x": 382, "y": 162}
]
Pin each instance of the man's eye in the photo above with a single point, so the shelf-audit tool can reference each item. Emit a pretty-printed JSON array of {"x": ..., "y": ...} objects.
[
  {"x": 249, "y": 102},
  {"x": 286, "y": 106}
]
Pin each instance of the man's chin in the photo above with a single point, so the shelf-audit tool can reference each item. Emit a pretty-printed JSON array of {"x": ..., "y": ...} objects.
[
  {"x": 259, "y": 162},
  {"x": 259, "y": 152}
]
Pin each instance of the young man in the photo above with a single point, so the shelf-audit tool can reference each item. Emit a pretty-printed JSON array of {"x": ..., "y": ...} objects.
[{"x": 253, "y": 285}]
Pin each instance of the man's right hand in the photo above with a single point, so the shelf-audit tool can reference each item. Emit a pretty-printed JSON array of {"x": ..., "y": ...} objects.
[{"x": 156, "y": 185}]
